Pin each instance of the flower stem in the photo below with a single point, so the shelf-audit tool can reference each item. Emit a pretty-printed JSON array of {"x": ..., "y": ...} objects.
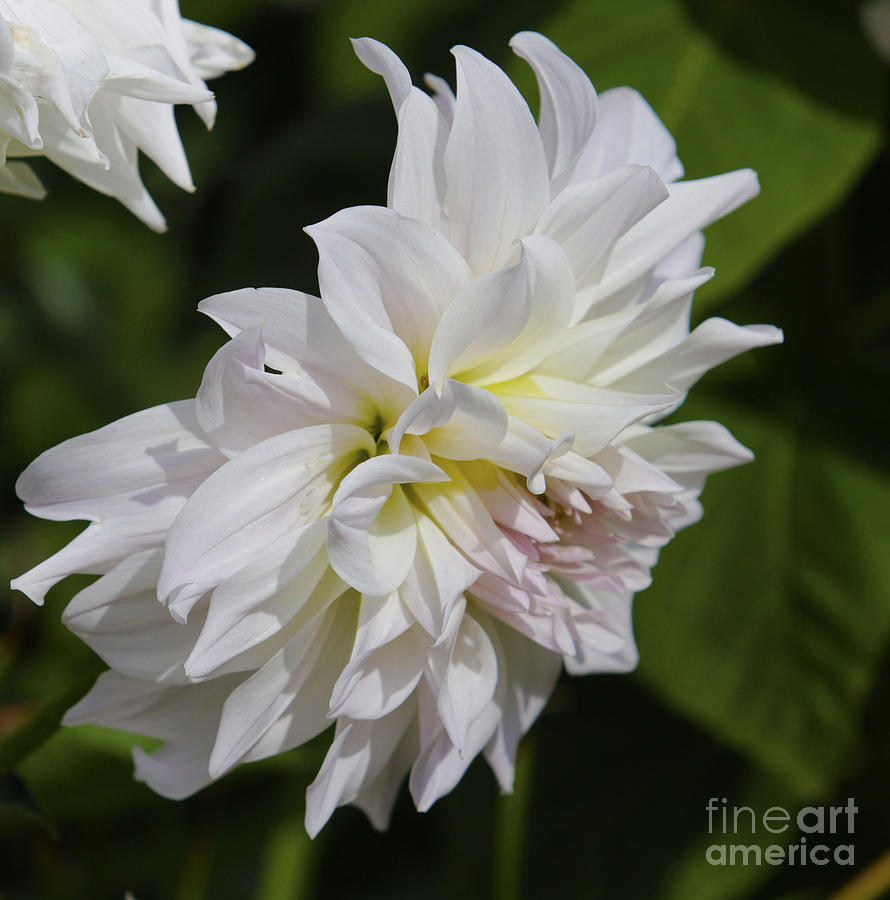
[
  {"x": 869, "y": 884},
  {"x": 511, "y": 826},
  {"x": 288, "y": 870}
]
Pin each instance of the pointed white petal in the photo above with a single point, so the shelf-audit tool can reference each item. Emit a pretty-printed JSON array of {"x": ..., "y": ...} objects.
[
  {"x": 252, "y": 500},
  {"x": 568, "y": 100},
  {"x": 120, "y": 618},
  {"x": 174, "y": 771},
  {"x": 358, "y": 754},
  {"x": 496, "y": 172},
  {"x": 19, "y": 178},
  {"x": 121, "y": 468},
  {"x": 102, "y": 546},
  {"x": 713, "y": 342},
  {"x": 657, "y": 325},
  {"x": 213, "y": 52},
  {"x": 417, "y": 177},
  {"x": 437, "y": 580},
  {"x": 690, "y": 207},
  {"x": 374, "y": 685},
  {"x": 383, "y": 61},
  {"x": 628, "y": 131},
  {"x": 378, "y": 798},
  {"x": 469, "y": 682},
  {"x": 587, "y": 219},
  {"x": 531, "y": 674},
  {"x": 262, "y": 598},
  {"x": 590, "y": 658},
  {"x": 595, "y": 415},
  {"x": 386, "y": 280},
  {"x": 499, "y": 326},
  {"x": 465, "y": 422},
  {"x": 255, "y": 705},
  {"x": 372, "y": 535},
  {"x": 689, "y": 447},
  {"x": 443, "y": 96}
]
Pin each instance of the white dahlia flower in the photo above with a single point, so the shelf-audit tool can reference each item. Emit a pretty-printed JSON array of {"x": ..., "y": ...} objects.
[
  {"x": 89, "y": 83},
  {"x": 404, "y": 507}
]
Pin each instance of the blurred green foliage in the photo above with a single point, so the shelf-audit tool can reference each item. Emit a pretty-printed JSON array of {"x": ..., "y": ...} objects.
[{"x": 764, "y": 641}]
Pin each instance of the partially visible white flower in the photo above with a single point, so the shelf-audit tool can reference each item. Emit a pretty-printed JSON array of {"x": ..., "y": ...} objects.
[
  {"x": 405, "y": 506},
  {"x": 89, "y": 83},
  {"x": 875, "y": 16}
]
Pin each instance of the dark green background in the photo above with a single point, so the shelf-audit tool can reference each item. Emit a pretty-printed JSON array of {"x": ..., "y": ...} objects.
[{"x": 764, "y": 642}]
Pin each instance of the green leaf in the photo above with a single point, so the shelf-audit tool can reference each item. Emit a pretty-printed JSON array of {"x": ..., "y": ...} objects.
[
  {"x": 768, "y": 620},
  {"x": 692, "y": 875},
  {"x": 789, "y": 90}
]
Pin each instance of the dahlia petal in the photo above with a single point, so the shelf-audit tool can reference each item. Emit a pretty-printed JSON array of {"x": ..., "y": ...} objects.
[
  {"x": 443, "y": 96},
  {"x": 180, "y": 713},
  {"x": 100, "y": 547},
  {"x": 465, "y": 422},
  {"x": 213, "y": 52},
  {"x": 528, "y": 452},
  {"x": 659, "y": 324},
  {"x": 273, "y": 487},
  {"x": 498, "y": 327},
  {"x": 437, "y": 580},
  {"x": 417, "y": 178},
  {"x": 512, "y": 507},
  {"x": 386, "y": 280},
  {"x": 469, "y": 681},
  {"x": 378, "y": 798},
  {"x": 496, "y": 172},
  {"x": 632, "y": 473},
  {"x": 260, "y": 599},
  {"x": 360, "y": 751},
  {"x": 384, "y": 62},
  {"x": 561, "y": 406},
  {"x": 372, "y": 534},
  {"x": 296, "y": 328},
  {"x": 19, "y": 178},
  {"x": 301, "y": 338},
  {"x": 59, "y": 54},
  {"x": 152, "y": 127},
  {"x": 532, "y": 673},
  {"x": 307, "y": 714},
  {"x": 441, "y": 765},
  {"x": 210, "y": 403},
  {"x": 256, "y": 704},
  {"x": 587, "y": 658},
  {"x": 381, "y": 620},
  {"x": 148, "y": 73},
  {"x": 456, "y": 508},
  {"x": 119, "y": 175},
  {"x": 587, "y": 219},
  {"x": 174, "y": 771},
  {"x": 61, "y": 141},
  {"x": 627, "y": 131},
  {"x": 690, "y": 207},
  {"x": 120, "y": 618},
  {"x": 374, "y": 685},
  {"x": 689, "y": 447},
  {"x": 713, "y": 342},
  {"x": 122, "y": 468},
  {"x": 19, "y": 115},
  {"x": 568, "y": 100},
  {"x": 576, "y": 355}
]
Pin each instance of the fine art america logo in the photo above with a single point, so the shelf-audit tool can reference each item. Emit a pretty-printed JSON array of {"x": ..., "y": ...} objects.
[{"x": 821, "y": 831}]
